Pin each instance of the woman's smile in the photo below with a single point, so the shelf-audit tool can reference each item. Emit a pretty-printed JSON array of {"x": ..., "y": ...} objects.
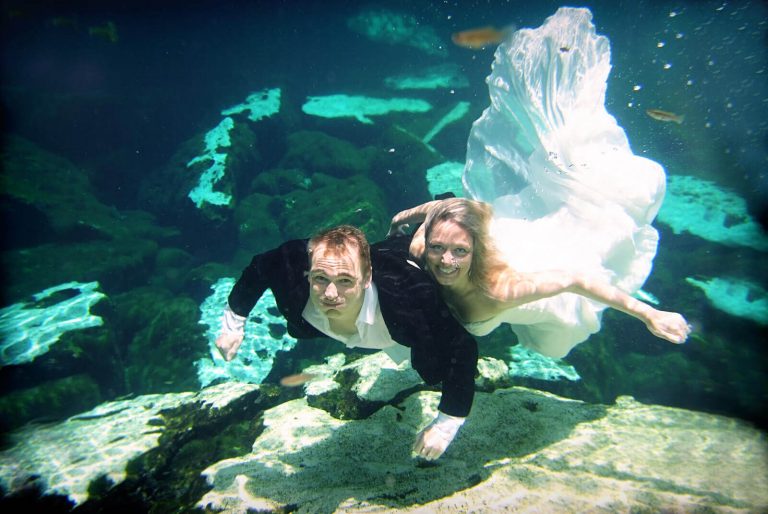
[{"x": 449, "y": 252}]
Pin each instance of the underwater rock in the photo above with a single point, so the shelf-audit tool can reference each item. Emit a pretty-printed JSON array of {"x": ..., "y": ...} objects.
[
  {"x": 354, "y": 390},
  {"x": 214, "y": 173},
  {"x": 397, "y": 28},
  {"x": 265, "y": 335},
  {"x": 447, "y": 75},
  {"x": 281, "y": 181},
  {"x": 313, "y": 151},
  {"x": 519, "y": 449},
  {"x": 528, "y": 363},
  {"x": 492, "y": 374},
  {"x": 740, "y": 298},
  {"x": 161, "y": 340},
  {"x": 257, "y": 230},
  {"x": 455, "y": 114},
  {"x": 78, "y": 370},
  {"x": 400, "y": 171},
  {"x": 54, "y": 196},
  {"x": 360, "y": 108},
  {"x": 172, "y": 268},
  {"x": 704, "y": 209},
  {"x": 99, "y": 444},
  {"x": 355, "y": 201},
  {"x": 50, "y": 400},
  {"x": 258, "y": 105},
  {"x": 116, "y": 264},
  {"x": 446, "y": 178},
  {"x": 28, "y": 329},
  {"x": 59, "y": 231},
  {"x": 217, "y": 148},
  {"x": 215, "y": 156}
]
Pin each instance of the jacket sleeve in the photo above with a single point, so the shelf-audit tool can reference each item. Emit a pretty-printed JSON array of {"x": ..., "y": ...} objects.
[
  {"x": 459, "y": 378},
  {"x": 278, "y": 269},
  {"x": 416, "y": 315},
  {"x": 253, "y": 281}
]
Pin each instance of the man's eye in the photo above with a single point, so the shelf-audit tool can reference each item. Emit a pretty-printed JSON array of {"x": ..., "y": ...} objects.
[
  {"x": 347, "y": 282},
  {"x": 319, "y": 280}
]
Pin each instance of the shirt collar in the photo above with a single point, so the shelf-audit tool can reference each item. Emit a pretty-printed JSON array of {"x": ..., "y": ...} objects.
[
  {"x": 370, "y": 304},
  {"x": 365, "y": 319}
]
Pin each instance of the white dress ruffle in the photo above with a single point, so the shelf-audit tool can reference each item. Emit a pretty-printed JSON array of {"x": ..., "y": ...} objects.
[{"x": 568, "y": 193}]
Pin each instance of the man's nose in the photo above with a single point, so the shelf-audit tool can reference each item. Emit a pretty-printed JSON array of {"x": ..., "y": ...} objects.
[{"x": 331, "y": 291}]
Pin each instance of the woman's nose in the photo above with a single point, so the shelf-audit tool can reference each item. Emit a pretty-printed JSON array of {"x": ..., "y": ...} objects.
[{"x": 447, "y": 257}]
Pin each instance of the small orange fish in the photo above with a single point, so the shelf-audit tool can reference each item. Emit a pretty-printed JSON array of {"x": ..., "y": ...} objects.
[
  {"x": 479, "y": 38},
  {"x": 658, "y": 114},
  {"x": 297, "y": 380}
]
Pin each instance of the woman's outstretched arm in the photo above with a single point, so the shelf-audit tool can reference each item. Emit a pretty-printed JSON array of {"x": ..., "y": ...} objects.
[{"x": 521, "y": 288}]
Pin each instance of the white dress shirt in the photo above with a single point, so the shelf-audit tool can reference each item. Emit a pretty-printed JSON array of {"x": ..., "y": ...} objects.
[{"x": 371, "y": 333}]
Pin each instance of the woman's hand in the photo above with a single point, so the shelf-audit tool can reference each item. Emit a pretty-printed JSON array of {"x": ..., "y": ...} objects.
[
  {"x": 415, "y": 215},
  {"x": 400, "y": 223},
  {"x": 397, "y": 228},
  {"x": 668, "y": 325}
]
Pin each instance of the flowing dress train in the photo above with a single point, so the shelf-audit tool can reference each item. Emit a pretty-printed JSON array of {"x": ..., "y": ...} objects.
[{"x": 568, "y": 193}]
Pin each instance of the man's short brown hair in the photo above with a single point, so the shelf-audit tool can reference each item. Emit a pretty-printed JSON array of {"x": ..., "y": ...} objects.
[{"x": 343, "y": 239}]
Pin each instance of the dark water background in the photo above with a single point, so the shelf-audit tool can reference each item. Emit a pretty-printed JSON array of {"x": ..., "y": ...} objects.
[{"x": 121, "y": 110}]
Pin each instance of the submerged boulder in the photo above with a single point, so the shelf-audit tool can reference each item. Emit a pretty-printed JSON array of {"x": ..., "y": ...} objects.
[
  {"x": 58, "y": 230},
  {"x": 242, "y": 448},
  {"x": 318, "y": 152},
  {"x": 331, "y": 201}
]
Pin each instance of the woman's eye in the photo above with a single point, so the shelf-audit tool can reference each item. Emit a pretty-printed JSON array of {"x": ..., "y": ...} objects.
[
  {"x": 436, "y": 248},
  {"x": 461, "y": 251}
]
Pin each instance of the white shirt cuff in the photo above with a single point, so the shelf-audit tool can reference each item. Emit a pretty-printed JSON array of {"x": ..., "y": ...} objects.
[
  {"x": 232, "y": 323},
  {"x": 448, "y": 424}
]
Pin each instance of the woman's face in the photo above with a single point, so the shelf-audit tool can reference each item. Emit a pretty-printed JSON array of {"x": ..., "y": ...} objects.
[{"x": 449, "y": 253}]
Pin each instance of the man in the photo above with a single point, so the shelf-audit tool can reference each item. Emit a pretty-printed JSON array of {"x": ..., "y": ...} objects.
[{"x": 339, "y": 286}]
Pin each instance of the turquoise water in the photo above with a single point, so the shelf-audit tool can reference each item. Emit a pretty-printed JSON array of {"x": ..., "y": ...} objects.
[{"x": 105, "y": 109}]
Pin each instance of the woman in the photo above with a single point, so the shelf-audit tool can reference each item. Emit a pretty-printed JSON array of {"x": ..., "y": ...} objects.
[{"x": 550, "y": 311}]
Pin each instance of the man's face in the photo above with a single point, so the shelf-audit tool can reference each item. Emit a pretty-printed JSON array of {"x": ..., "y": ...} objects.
[{"x": 337, "y": 283}]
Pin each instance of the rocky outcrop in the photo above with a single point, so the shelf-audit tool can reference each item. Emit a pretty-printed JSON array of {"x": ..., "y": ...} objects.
[{"x": 262, "y": 449}]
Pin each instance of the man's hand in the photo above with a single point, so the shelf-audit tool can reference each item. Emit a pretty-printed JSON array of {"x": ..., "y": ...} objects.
[
  {"x": 228, "y": 343},
  {"x": 432, "y": 442}
]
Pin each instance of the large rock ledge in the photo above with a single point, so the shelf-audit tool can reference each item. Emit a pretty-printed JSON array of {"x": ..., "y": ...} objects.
[
  {"x": 521, "y": 450},
  {"x": 242, "y": 448},
  {"x": 128, "y": 453}
]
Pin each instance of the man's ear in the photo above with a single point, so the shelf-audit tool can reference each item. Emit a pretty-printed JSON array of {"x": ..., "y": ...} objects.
[{"x": 369, "y": 279}]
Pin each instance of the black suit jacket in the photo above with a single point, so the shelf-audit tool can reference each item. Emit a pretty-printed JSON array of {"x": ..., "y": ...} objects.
[{"x": 410, "y": 303}]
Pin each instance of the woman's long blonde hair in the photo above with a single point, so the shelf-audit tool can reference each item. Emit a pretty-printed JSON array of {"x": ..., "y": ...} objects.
[{"x": 474, "y": 217}]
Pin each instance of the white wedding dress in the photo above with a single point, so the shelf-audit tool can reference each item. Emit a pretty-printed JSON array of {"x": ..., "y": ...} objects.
[{"x": 568, "y": 193}]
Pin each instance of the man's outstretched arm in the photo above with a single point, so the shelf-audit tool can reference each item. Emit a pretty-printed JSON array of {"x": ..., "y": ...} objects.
[{"x": 458, "y": 394}]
